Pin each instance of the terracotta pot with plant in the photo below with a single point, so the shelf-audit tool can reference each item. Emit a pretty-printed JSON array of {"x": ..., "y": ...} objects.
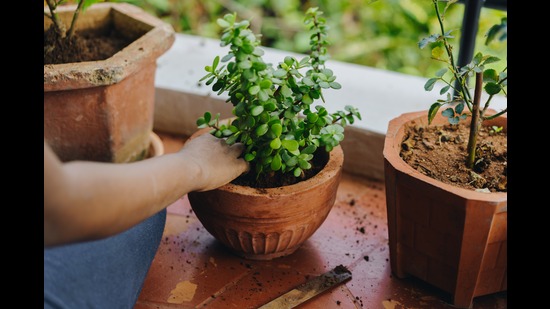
[
  {"x": 99, "y": 73},
  {"x": 446, "y": 185},
  {"x": 291, "y": 144}
]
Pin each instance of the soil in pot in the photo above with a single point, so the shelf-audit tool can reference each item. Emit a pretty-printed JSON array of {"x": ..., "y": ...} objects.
[
  {"x": 439, "y": 151},
  {"x": 273, "y": 180},
  {"x": 86, "y": 45}
]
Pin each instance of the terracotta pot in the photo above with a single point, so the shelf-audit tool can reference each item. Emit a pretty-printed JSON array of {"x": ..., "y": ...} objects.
[
  {"x": 103, "y": 110},
  {"x": 450, "y": 237},
  {"x": 156, "y": 146},
  {"x": 266, "y": 223}
]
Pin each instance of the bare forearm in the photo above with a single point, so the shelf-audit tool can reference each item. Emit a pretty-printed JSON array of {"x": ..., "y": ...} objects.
[
  {"x": 90, "y": 200},
  {"x": 102, "y": 199}
]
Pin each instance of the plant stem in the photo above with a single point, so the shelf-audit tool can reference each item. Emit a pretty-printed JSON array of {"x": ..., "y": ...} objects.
[
  {"x": 75, "y": 17},
  {"x": 475, "y": 123},
  {"x": 58, "y": 25},
  {"x": 465, "y": 94}
]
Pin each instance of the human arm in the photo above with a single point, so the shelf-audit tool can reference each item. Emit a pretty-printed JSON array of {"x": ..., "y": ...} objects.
[{"x": 86, "y": 200}]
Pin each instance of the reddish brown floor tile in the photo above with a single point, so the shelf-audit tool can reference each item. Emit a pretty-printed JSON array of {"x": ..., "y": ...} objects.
[{"x": 192, "y": 270}]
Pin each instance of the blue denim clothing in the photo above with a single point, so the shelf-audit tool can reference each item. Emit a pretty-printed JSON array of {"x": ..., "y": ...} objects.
[{"x": 106, "y": 273}]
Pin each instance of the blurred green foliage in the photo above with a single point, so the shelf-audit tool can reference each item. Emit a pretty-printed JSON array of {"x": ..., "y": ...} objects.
[{"x": 377, "y": 33}]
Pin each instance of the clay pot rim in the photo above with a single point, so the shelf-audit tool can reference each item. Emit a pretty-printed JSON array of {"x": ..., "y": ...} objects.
[
  {"x": 156, "y": 146},
  {"x": 334, "y": 166},
  {"x": 391, "y": 155}
]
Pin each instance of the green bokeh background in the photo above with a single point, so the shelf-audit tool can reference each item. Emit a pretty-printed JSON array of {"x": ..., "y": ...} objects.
[{"x": 376, "y": 33}]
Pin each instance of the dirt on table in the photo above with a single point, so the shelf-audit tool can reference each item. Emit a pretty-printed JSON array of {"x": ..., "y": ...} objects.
[{"x": 439, "y": 151}]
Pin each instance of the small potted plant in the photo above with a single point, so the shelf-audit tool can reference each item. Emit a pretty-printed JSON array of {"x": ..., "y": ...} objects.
[
  {"x": 449, "y": 228},
  {"x": 101, "y": 107},
  {"x": 291, "y": 143}
]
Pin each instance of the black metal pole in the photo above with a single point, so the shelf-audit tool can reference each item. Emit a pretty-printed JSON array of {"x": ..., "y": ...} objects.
[{"x": 470, "y": 25}]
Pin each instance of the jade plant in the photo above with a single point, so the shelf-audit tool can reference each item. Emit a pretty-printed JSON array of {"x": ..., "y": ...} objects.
[
  {"x": 474, "y": 77},
  {"x": 273, "y": 106}
]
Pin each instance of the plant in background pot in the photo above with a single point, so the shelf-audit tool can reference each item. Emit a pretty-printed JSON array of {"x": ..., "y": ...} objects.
[
  {"x": 99, "y": 105},
  {"x": 445, "y": 175},
  {"x": 292, "y": 145}
]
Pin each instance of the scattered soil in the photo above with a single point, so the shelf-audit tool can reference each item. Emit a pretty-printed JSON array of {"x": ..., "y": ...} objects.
[
  {"x": 320, "y": 159},
  {"x": 440, "y": 152},
  {"x": 89, "y": 45}
]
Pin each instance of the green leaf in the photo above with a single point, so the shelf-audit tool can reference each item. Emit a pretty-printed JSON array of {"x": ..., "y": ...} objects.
[
  {"x": 245, "y": 65},
  {"x": 211, "y": 80},
  {"x": 276, "y": 129},
  {"x": 324, "y": 85},
  {"x": 430, "y": 84},
  {"x": 291, "y": 161},
  {"x": 249, "y": 157},
  {"x": 498, "y": 30},
  {"x": 270, "y": 106},
  {"x": 256, "y": 110},
  {"x": 290, "y": 145},
  {"x": 309, "y": 149},
  {"x": 230, "y": 18},
  {"x": 437, "y": 52},
  {"x": 304, "y": 164},
  {"x": 492, "y": 88},
  {"x": 262, "y": 129},
  {"x": 217, "y": 86},
  {"x": 307, "y": 99},
  {"x": 308, "y": 81},
  {"x": 223, "y": 23},
  {"x": 490, "y": 75},
  {"x": 201, "y": 123},
  {"x": 285, "y": 91},
  {"x": 449, "y": 112},
  {"x": 254, "y": 90},
  {"x": 477, "y": 58},
  {"x": 275, "y": 143},
  {"x": 425, "y": 41},
  {"x": 289, "y": 60},
  {"x": 459, "y": 108},
  {"x": 232, "y": 139},
  {"x": 263, "y": 96},
  {"x": 491, "y": 59},
  {"x": 227, "y": 57},
  {"x": 441, "y": 72},
  {"x": 432, "y": 112},
  {"x": 297, "y": 172},
  {"x": 276, "y": 162},
  {"x": 243, "y": 24},
  {"x": 248, "y": 48},
  {"x": 279, "y": 73},
  {"x": 454, "y": 120},
  {"x": 265, "y": 84},
  {"x": 444, "y": 89},
  {"x": 312, "y": 117},
  {"x": 335, "y": 85},
  {"x": 258, "y": 52}
]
